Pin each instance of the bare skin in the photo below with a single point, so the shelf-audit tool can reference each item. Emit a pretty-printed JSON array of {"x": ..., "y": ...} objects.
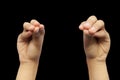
[
  {"x": 96, "y": 46},
  {"x": 29, "y": 45}
]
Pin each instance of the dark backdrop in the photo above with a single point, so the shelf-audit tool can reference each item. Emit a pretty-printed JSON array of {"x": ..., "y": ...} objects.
[{"x": 63, "y": 54}]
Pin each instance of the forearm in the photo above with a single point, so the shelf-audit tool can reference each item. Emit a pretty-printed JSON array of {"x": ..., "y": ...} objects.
[
  {"x": 97, "y": 70},
  {"x": 27, "y": 71}
]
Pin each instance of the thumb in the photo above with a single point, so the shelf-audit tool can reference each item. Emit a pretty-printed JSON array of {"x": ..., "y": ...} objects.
[{"x": 88, "y": 39}]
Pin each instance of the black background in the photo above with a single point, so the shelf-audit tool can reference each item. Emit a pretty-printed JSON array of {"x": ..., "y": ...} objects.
[{"x": 62, "y": 54}]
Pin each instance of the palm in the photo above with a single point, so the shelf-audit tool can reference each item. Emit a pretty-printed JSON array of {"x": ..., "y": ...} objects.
[
  {"x": 96, "y": 47},
  {"x": 28, "y": 49}
]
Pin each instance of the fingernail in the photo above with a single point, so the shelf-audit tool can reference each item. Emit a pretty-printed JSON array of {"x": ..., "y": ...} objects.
[
  {"x": 93, "y": 29},
  {"x": 87, "y": 25}
]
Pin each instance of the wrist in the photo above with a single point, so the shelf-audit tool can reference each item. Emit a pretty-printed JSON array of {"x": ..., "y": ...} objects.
[
  {"x": 99, "y": 58},
  {"x": 27, "y": 71},
  {"x": 95, "y": 60},
  {"x": 97, "y": 68},
  {"x": 32, "y": 62},
  {"x": 23, "y": 60}
]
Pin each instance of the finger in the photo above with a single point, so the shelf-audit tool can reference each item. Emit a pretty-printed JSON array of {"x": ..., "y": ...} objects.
[
  {"x": 27, "y": 26},
  {"x": 92, "y": 19},
  {"x": 25, "y": 35},
  {"x": 101, "y": 34},
  {"x": 35, "y": 22},
  {"x": 38, "y": 31},
  {"x": 89, "y": 22},
  {"x": 41, "y": 28},
  {"x": 81, "y": 25},
  {"x": 99, "y": 25},
  {"x": 86, "y": 32},
  {"x": 38, "y": 35}
]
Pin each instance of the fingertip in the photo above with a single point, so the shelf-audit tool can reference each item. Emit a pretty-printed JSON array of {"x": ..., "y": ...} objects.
[
  {"x": 41, "y": 27},
  {"x": 86, "y": 25},
  {"x": 36, "y": 30},
  {"x": 81, "y": 27},
  {"x": 86, "y": 32},
  {"x": 25, "y": 23},
  {"x": 92, "y": 17},
  {"x": 34, "y": 22},
  {"x": 92, "y": 30}
]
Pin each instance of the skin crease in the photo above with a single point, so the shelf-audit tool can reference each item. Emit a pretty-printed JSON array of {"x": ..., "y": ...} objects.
[
  {"x": 30, "y": 41},
  {"x": 96, "y": 38},
  {"x": 29, "y": 45},
  {"x": 96, "y": 46}
]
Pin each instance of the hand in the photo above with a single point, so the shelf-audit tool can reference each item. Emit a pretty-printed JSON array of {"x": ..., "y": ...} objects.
[
  {"x": 29, "y": 42},
  {"x": 96, "y": 38}
]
